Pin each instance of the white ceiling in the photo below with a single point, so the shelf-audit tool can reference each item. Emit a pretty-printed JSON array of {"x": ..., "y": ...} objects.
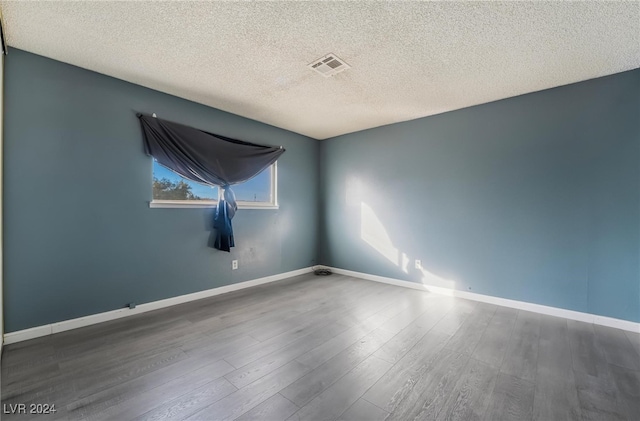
[{"x": 408, "y": 59}]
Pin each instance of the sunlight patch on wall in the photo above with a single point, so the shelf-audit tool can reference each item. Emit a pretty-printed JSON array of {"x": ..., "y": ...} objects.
[
  {"x": 430, "y": 278},
  {"x": 405, "y": 263},
  {"x": 373, "y": 233}
]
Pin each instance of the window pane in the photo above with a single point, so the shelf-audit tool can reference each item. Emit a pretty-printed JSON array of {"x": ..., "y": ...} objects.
[
  {"x": 258, "y": 189},
  {"x": 168, "y": 185}
]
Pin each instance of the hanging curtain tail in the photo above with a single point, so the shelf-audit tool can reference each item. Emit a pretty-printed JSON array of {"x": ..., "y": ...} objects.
[
  {"x": 225, "y": 211},
  {"x": 230, "y": 197},
  {"x": 222, "y": 224},
  {"x": 210, "y": 159}
]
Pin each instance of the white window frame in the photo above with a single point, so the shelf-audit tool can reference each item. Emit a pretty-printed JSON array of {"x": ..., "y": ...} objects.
[{"x": 273, "y": 204}]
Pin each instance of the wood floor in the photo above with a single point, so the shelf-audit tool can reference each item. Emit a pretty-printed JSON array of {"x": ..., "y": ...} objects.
[{"x": 329, "y": 348}]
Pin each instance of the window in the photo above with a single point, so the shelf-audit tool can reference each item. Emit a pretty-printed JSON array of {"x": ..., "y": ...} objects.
[{"x": 173, "y": 191}]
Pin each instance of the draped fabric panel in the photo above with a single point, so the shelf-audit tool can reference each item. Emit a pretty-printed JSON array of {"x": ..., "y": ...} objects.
[
  {"x": 225, "y": 211},
  {"x": 210, "y": 159},
  {"x": 205, "y": 157}
]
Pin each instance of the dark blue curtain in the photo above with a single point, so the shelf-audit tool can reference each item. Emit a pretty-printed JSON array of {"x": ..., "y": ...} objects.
[
  {"x": 225, "y": 211},
  {"x": 210, "y": 159}
]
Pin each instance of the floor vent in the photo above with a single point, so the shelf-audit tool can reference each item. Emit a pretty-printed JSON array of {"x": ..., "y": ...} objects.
[{"x": 329, "y": 65}]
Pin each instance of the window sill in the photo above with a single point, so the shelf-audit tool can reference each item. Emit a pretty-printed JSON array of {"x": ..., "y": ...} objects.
[{"x": 196, "y": 205}]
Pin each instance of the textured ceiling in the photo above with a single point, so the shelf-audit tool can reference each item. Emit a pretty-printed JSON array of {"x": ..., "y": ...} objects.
[{"x": 408, "y": 59}]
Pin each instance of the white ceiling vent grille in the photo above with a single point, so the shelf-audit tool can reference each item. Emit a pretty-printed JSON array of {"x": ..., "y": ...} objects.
[{"x": 329, "y": 65}]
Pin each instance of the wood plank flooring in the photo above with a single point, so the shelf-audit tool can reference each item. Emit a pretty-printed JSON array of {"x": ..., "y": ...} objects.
[{"x": 329, "y": 348}]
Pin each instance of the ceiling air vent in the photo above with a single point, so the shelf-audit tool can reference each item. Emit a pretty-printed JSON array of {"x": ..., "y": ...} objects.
[{"x": 329, "y": 65}]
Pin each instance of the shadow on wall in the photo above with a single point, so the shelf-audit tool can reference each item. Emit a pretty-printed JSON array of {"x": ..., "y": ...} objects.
[{"x": 374, "y": 233}]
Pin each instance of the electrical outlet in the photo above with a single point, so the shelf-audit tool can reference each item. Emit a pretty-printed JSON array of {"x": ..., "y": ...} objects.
[
  {"x": 234, "y": 264},
  {"x": 418, "y": 264}
]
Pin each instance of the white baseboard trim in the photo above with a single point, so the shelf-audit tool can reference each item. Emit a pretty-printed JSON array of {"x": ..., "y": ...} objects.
[
  {"x": 520, "y": 305},
  {"x": 38, "y": 331}
]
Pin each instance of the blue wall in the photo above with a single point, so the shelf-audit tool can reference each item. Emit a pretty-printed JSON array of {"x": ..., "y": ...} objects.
[
  {"x": 533, "y": 198},
  {"x": 79, "y": 235}
]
